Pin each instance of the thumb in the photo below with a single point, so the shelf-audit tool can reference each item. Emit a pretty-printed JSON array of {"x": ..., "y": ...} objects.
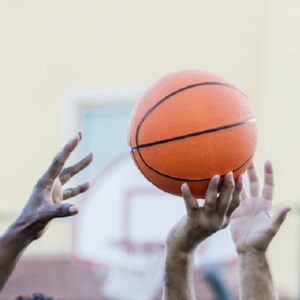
[
  {"x": 280, "y": 215},
  {"x": 63, "y": 210}
]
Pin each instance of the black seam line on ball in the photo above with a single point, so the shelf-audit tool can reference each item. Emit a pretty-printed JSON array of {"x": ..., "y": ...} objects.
[
  {"x": 179, "y": 91},
  {"x": 186, "y": 179},
  {"x": 181, "y": 137},
  {"x": 136, "y": 163}
]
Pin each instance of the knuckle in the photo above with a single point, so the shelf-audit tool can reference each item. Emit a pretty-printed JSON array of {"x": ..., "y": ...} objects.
[
  {"x": 230, "y": 184},
  {"x": 57, "y": 160},
  {"x": 62, "y": 210}
]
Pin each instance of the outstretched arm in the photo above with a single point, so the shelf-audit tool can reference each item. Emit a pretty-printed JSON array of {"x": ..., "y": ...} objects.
[
  {"x": 43, "y": 205},
  {"x": 256, "y": 280},
  {"x": 197, "y": 225},
  {"x": 253, "y": 228}
]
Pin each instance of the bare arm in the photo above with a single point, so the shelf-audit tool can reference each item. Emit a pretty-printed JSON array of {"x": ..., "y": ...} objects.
[
  {"x": 43, "y": 205},
  {"x": 179, "y": 276},
  {"x": 12, "y": 244},
  {"x": 197, "y": 225},
  {"x": 255, "y": 277},
  {"x": 253, "y": 228}
]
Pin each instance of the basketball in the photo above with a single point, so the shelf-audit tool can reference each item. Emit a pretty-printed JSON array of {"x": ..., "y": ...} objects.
[{"x": 189, "y": 126}]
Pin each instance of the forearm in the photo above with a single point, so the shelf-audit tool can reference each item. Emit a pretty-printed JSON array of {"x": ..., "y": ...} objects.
[
  {"x": 255, "y": 277},
  {"x": 12, "y": 244},
  {"x": 179, "y": 276}
]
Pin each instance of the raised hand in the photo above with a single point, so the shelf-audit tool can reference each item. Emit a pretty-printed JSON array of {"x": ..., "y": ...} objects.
[
  {"x": 43, "y": 205},
  {"x": 45, "y": 201},
  {"x": 201, "y": 222},
  {"x": 252, "y": 224},
  {"x": 198, "y": 224}
]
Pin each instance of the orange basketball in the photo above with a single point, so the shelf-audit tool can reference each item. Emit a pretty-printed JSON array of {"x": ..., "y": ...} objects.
[{"x": 189, "y": 126}]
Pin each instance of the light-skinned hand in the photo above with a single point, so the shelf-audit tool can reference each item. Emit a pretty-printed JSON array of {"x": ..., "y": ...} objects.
[{"x": 252, "y": 224}]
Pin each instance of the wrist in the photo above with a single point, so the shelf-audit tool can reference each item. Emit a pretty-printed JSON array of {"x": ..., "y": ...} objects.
[
  {"x": 252, "y": 257},
  {"x": 177, "y": 252},
  {"x": 250, "y": 252},
  {"x": 185, "y": 237},
  {"x": 253, "y": 261},
  {"x": 182, "y": 249},
  {"x": 19, "y": 232},
  {"x": 14, "y": 241}
]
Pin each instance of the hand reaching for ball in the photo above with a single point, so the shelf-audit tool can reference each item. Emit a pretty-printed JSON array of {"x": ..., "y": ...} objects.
[
  {"x": 201, "y": 222},
  {"x": 46, "y": 201},
  {"x": 252, "y": 225}
]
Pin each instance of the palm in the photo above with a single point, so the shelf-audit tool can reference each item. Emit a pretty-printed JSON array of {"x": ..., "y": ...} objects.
[
  {"x": 252, "y": 225},
  {"x": 56, "y": 196},
  {"x": 45, "y": 202}
]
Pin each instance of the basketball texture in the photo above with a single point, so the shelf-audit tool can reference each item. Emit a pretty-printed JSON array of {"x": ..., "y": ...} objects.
[{"x": 189, "y": 126}]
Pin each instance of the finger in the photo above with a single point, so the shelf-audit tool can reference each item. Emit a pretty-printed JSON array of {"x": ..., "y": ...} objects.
[
  {"x": 69, "y": 172},
  {"x": 243, "y": 195},
  {"x": 245, "y": 192},
  {"x": 189, "y": 200},
  {"x": 58, "y": 163},
  {"x": 225, "y": 198},
  {"x": 211, "y": 195},
  {"x": 72, "y": 192},
  {"x": 254, "y": 185},
  {"x": 280, "y": 216},
  {"x": 64, "y": 210},
  {"x": 237, "y": 197},
  {"x": 59, "y": 211},
  {"x": 268, "y": 189}
]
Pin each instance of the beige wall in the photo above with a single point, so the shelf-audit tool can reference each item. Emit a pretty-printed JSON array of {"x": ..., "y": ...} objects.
[
  {"x": 48, "y": 47},
  {"x": 280, "y": 125}
]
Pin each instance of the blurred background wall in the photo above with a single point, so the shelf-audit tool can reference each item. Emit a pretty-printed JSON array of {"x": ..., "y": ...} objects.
[{"x": 51, "y": 47}]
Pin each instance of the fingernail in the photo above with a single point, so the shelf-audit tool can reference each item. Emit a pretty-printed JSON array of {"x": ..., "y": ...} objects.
[
  {"x": 86, "y": 185},
  {"x": 75, "y": 136},
  {"x": 216, "y": 178},
  {"x": 73, "y": 210},
  {"x": 268, "y": 163},
  {"x": 184, "y": 187},
  {"x": 90, "y": 155}
]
